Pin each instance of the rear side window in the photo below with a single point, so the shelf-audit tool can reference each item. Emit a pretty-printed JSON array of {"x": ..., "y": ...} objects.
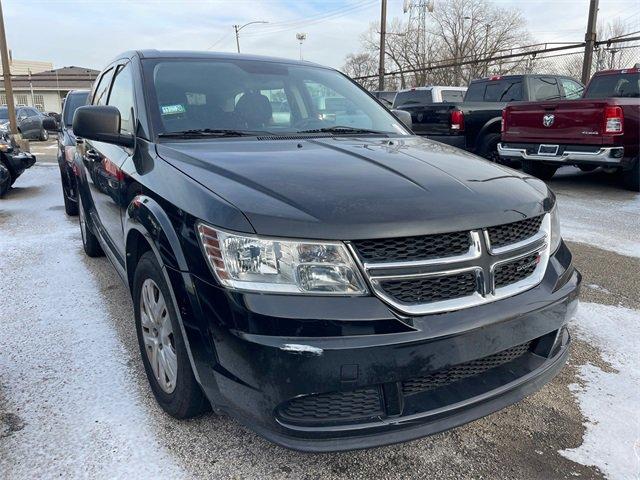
[
  {"x": 452, "y": 95},
  {"x": 102, "y": 89},
  {"x": 121, "y": 97},
  {"x": 614, "y": 85},
  {"x": 572, "y": 89},
  {"x": 506, "y": 90},
  {"x": 544, "y": 88},
  {"x": 71, "y": 104},
  {"x": 413, "y": 97}
]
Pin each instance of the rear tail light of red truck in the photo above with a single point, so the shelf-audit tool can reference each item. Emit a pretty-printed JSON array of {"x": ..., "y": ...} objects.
[
  {"x": 457, "y": 120},
  {"x": 613, "y": 120}
]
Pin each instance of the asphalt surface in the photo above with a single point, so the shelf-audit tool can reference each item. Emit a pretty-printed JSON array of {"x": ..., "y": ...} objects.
[{"x": 521, "y": 441}]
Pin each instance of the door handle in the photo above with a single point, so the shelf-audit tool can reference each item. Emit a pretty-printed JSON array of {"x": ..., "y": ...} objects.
[{"x": 92, "y": 155}]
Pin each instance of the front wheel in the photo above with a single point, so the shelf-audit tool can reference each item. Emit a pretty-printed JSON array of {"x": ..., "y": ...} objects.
[
  {"x": 541, "y": 170},
  {"x": 89, "y": 241},
  {"x": 164, "y": 353}
]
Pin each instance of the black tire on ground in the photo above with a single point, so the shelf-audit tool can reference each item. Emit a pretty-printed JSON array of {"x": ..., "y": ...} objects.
[
  {"x": 489, "y": 147},
  {"x": 89, "y": 241},
  {"x": 186, "y": 400},
  {"x": 631, "y": 178},
  {"x": 541, "y": 170},
  {"x": 5, "y": 180},
  {"x": 587, "y": 168},
  {"x": 44, "y": 135},
  {"x": 70, "y": 207}
]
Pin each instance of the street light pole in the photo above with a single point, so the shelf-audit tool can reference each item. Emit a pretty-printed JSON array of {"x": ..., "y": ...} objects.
[
  {"x": 6, "y": 73},
  {"x": 237, "y": 29}
]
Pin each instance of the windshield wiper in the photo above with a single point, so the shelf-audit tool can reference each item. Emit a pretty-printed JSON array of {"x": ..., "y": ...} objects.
[
  {"x": 211, "y": 132},
  {"x": 338, "y": 129}
]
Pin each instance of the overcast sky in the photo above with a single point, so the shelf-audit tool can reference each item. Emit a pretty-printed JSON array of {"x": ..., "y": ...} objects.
[{"x": 89, "y": 33}]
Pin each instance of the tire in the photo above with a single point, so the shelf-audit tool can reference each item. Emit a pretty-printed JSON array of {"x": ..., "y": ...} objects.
[
  {"x": 489, "y": 147},
  {"x": 541, "y": 170},
  {"x": 631, "y": 178},
  {"x": 70, "y": 207},
  {"x": 587, "y": 168},
  {"x": 44, "y": 135},
  {"x": 89, "y": 241},
  {"x": 5, "y": 180},
  {"x": 171, "y": 378}
]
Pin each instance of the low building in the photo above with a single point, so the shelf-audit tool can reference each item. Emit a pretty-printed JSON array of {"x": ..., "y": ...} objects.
[
  {"x": 23, "y": 67},
  {"x": 46, "y": 90}
]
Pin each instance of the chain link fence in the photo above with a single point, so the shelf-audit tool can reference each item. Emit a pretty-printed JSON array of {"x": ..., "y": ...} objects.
[{"x": 549, "y": 58}]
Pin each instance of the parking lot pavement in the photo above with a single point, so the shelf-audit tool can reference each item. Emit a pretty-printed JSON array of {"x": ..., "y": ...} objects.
[{"x": 74, "y": 401}]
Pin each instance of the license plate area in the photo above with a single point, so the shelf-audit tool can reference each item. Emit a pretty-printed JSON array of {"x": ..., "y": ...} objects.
[{"x": 548, "y": 149}]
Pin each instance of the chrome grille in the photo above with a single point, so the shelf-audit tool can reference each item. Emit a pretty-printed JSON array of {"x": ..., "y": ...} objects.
[
  {"x": 413, "y": 248},
  {"x": 452, "y": 273},
  {"x": 514, "y": 232},
  {"x": 431, "y": 289}
]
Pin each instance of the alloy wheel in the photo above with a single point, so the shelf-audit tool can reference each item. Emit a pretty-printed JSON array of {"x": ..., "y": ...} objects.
[{"x": 157, "y": 333}]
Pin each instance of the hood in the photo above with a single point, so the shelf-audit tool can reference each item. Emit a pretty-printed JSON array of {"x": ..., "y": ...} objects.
[{"x": 357, "y": 188}]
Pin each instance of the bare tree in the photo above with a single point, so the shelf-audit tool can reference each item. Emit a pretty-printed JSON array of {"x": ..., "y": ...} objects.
[
  {"x": 360, "y": 65},
  {"x": 460, "y": 36}
]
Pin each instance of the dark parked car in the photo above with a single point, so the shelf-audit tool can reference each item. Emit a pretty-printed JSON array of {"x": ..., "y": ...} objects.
[
  {"x": 474, "y": 124},
  {"x": 29, "y": 122},
  {"x": 332, "y": 287},
  {"x": 600, "y": 130},
  {"x": 13, "y": 162},
  {"x": 67, "y": 149}
]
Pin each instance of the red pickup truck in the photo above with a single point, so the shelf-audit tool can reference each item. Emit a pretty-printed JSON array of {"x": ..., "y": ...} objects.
[{"x": 602, "y": 129}]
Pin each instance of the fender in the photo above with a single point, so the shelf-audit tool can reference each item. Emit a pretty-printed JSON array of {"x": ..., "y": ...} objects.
[
  {"x": 146, "y": 217},
  {"x": 489, "y": 126}
]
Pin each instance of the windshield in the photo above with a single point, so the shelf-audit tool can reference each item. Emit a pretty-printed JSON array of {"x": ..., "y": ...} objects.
[
  {"x": 259, "y": 96},
  {"x": 614, "y": 85},
  {"x": 71, "y": 104},
  {"x": 4, "y": 114}
]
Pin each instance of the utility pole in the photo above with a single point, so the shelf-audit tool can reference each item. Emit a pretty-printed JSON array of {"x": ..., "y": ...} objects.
[
  {"x": 383, "y": 34},
  {"x": 6, "y": 73},
  {"x": 590, "y": 41},
  {"x": 235, "y": 27}
]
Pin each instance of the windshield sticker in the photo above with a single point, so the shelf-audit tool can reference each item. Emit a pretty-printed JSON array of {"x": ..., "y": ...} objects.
[{"x": 172, "y": 109}]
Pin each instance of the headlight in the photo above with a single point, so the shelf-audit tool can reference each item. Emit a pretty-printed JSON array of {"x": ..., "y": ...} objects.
[
  {"x": 556, "y": 238},
  {"x": 281, "y": 266}
]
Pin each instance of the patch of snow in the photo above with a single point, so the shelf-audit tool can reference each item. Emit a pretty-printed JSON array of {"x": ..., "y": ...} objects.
[
  {"x": 598, "y": 288},
  {"x": 610, "y": 223},
  {"x": 296, "y": 348},
  {"x": 610, "y": 401},
  {"x": 63, "y": 371}
]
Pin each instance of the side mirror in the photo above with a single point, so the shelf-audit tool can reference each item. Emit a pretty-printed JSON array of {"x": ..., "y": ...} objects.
[
  {"x": 49, "y": 124},
  {"x": 404, "y": 117},
  {"x": 101, "y": 123}
]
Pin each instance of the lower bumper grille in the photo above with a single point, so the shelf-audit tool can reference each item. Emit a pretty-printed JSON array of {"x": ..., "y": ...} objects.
[
  {"x": 367, "y": 403},
  {"x": 453, "y": 374},
  {"x": 348, "y": 406}
]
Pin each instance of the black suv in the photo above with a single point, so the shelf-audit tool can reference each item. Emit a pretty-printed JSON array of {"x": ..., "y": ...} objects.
[
  {"x": 67, "y": 149},
  {"x": 315, "y": 269}
]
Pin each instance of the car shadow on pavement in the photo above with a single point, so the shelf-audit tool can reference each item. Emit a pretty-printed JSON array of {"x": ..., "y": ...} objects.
[{"x": 570, "y": 178}]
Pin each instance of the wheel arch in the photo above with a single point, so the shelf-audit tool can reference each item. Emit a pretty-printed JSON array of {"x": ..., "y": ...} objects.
[{"x": 492, "y": 126}]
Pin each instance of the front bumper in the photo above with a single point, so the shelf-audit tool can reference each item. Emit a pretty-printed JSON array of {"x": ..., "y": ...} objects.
[
  {"x": 21, "y": 161},
  {"x": 255, "y": 377},
  {"x": 605, "y": 156}
]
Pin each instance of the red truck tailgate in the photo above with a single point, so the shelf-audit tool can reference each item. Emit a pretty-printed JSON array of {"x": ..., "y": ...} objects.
[{"x": 564, "y": 121}]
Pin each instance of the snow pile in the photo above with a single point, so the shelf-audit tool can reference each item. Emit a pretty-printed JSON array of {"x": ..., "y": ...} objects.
[
  {"x": 63, "y": 370},
  {"x": 582, "y": 221},
  {"x": 610, "y": 401}
]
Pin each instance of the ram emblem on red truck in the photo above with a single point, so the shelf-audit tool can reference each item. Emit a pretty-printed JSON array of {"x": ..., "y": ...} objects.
[{"x": 602, "y": 129}]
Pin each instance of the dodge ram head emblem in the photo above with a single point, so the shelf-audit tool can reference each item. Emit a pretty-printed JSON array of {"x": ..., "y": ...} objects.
[{"x": 548, "y": 119}]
